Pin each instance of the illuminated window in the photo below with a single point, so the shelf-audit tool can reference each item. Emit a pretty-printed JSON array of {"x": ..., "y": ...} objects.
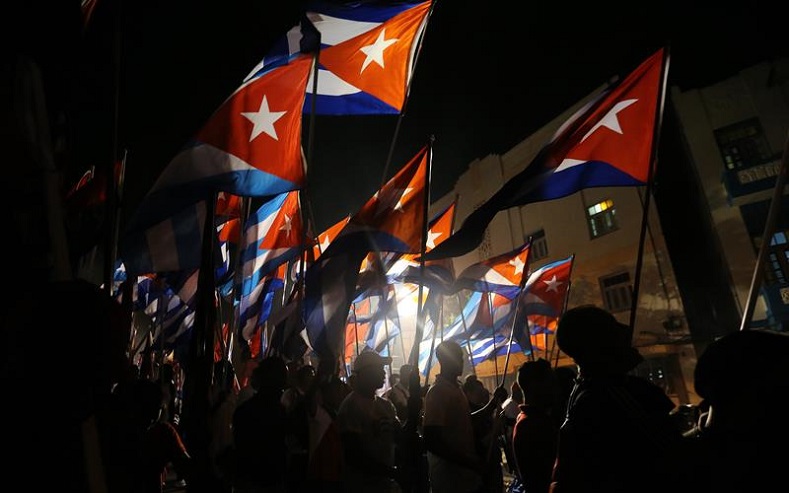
[
  {"x": 602, "y": 218},
  {"x": 617, "y": 292},
  {"x": 539, "y": 245}
]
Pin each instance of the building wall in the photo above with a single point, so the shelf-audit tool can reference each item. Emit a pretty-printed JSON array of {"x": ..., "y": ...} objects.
[
  {"x": 566, "y": 232},
  {"x": 761, "y": 91}
]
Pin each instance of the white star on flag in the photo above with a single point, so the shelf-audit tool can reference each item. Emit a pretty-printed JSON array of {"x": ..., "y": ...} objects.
[
  {"x": 518, "y": 264},
  {"x": 431, "y": 239},
  {"x": 553, "y": 284},
  {"x": 393, "y": 197},
  {"x": 287, "y": 226},
  {"x": 263, "y": 120},
  {"x": 325, "y": 243},
  {"x": 610, "y": 120},
  {"x": 375, "y": 51}
]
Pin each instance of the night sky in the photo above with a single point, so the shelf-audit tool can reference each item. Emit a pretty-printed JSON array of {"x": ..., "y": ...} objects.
[{"x": 489, "y": 75}]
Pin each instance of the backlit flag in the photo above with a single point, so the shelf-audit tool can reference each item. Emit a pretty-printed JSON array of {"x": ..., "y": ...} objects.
[
  {"x": 255, "y": 306},
  {"x": 544, "y": 295},
  {"x": 501, "y": 274},
  {"x": 251, "y": 147},
  {"x": 438, "y": 274},
  {"x": 391, "y": 221},
  {"x": 283, "y": 240},
  {"x": 608, "y": 143},
  {"x": 367, "y": 58}
]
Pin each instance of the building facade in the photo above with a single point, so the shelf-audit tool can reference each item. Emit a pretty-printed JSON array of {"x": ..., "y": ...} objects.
[
  {"x": 719, "y": 154},
  {"x": 734, "y": 135}
]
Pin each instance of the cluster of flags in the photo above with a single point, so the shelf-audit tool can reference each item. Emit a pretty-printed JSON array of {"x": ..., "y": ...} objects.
[{"x": 348, "y": 286}]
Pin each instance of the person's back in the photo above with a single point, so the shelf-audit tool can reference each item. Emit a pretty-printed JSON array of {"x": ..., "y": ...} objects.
[
  {"x": 536, "y": 431},
  {"x": 743, "y": 379},
  {"x": 618, "y": 435},
  {"x": 259, "y": 433}
]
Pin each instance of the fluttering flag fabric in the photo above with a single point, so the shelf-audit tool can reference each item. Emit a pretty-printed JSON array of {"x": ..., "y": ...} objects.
[
  {"x": 273, "y": 236},
  {"x": 391, "y": 220},
  {"x": 544, "y": 294},
  {"x": 367, "y": 56},
  {"x": 608, "y": 143},
  {"x": 501, "y": 274},
  {"x": 437, "y": 274},
  {"x": 255, "y": 306},
  {"x": 251, "y": 147}
]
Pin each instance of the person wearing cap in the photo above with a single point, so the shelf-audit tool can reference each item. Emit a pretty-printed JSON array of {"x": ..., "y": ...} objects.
[
  {"x": 454, "y": 465},
  {"x": 370, "y": 429},
  {"x": 618, "y": 434}
]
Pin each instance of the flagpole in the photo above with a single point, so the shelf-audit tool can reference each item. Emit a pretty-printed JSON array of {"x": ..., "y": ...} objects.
[
  {"x": 400, "y": 117},
  {"x": 650, "y": 178},
  {"x": 524, "y": 278},
  {"x": 769, "y": 229},
  {"x": 238, "y": 273},
  {"x": 201, "y": 352},
  {"x": 564, "y": 308},
  {"x": 420, "y": 319},
  {"x": 111, "y": 189},
  {"x": 465, "y": 331}
]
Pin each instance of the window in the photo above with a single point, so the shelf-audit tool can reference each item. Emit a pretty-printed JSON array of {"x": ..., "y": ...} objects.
[
  {"x": 602, "y": 218},
  {"x": 617, "y": 292},
  {"x": 743, "y": 145},
  {"x": 539, "y": 245},
  {"x": 777, "y": 265}
]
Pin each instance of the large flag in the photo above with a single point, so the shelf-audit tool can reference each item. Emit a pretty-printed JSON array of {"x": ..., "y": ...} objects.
[
  {"x": 608, "y": 143},
  {"x": 367, "y": 58},
  {"x": 501, "y": 274},
  {"x": 251, "y": 147},
  {"x": 391, "y": 221}
]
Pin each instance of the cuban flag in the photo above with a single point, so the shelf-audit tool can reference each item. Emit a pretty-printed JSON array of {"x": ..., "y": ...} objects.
[
  {"x": 251, "y": 146},
  {"x": 489, "y": 334},
  {"x": 437, "y": 274},
  {"x": 433, "y": 333},
  {"x": 255, "y": 307},
  {"x": 607, "y": 143},
  {"x": 501, "y": 274},
  {"x": 273, "y": 237},
  {"x": 368, "y": 51},
  {"x": 392, "y": 220}
]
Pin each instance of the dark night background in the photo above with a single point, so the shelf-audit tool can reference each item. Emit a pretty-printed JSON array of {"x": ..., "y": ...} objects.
[{"x": 490, "y": 74}]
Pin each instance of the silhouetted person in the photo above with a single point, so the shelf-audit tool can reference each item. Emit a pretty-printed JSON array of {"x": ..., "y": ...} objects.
[
  {"x": 326, "y": 456},
  {"x": 455, "y": 466},
  {"x": 161, "y": 442},
  {"x": 743, "y": 379},
  {"x": 618, "y": 435},
  {"x": 259, "y": 433},
  {"x": 565, "y": 376},
  {"x": 370, "y": 429},
  {"x": 398, "y": 393},
  {"x": 536, "y": 431}
]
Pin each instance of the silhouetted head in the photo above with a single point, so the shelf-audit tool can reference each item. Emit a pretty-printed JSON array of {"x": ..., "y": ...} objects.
[
  {"x": 450, "y": 357},
  {"x": 270, "y": 375},
  {"x": 369, "y": 370},
  {"x": 596, "y": 341},
  {"x": 538, "y": 383}
]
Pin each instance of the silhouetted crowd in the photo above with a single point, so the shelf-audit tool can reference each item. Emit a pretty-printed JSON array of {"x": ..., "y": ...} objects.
[{"x": 80, "y": 417}]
